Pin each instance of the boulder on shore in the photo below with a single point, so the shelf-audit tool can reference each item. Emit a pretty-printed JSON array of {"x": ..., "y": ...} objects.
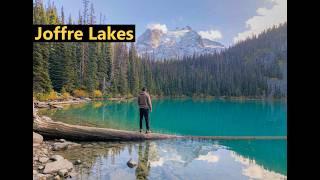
[
  {"x": 43, "y": 159},
  {"x": 37, "y": 139},
  {"x": 54, "y": 167}
]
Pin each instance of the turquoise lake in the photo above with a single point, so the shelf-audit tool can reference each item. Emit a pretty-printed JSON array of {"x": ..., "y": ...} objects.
[
  {"x": 184, "y": 159},
  {"x": 184, "y": 116}
]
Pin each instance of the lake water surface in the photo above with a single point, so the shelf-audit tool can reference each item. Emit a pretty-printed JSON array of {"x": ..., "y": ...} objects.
[
  {"x": 184, "y": 116},
  {"x": 183, "y": 159}
]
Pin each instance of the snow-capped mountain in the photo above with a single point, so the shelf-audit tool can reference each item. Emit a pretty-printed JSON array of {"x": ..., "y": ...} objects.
[{"x": 175, "y": 44}]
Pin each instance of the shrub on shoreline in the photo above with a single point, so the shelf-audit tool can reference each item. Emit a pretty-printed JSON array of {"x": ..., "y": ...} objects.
[
  {"x": 52, "y": 95},
  {"x": 79, "y": 93},
  {"x": 96, "y": 94}
]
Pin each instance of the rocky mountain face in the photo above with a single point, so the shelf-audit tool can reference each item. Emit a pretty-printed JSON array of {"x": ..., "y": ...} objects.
[{"x": 175, "y": 44}]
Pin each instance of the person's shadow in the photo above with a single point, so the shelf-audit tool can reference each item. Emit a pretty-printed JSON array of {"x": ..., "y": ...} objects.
[{"x": 143, "y": 168}]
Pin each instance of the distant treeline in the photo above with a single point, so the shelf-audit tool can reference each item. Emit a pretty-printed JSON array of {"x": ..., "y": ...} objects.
[{"x": 255, "y": 67}]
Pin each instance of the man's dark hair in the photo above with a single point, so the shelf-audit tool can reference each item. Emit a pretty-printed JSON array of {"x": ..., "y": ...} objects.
[{"x": 144, "y": 89}]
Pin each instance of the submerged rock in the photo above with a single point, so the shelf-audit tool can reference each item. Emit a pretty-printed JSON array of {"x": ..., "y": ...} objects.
[
  {"x": 77, "y": 162},
  {"x": 131, "y": 163},
  {"x": 64, "y": 145},
  {"x": 60, "y": 146},
  {"x": 87, "y": 145}
]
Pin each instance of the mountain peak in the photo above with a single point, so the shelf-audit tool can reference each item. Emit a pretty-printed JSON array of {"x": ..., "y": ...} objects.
[{"x": 166, "y": 44}]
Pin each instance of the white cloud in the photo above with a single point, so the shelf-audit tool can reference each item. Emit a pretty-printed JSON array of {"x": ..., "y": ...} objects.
[
  {"x": 264, "y": 19},
  {"x": 210, "y": 157},
  {"x": 158, "y": 26},
  {"x": 211, "y": 34}
]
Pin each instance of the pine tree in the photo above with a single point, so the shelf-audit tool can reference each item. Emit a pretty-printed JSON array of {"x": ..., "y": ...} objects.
[
  {"x": 132, "y": 70},
  {"x": 57, "y": 62},
  {"x": 62, "y": 21},
  {"x": 41, "y": 80},
  {"x": 70, "y": 68}
]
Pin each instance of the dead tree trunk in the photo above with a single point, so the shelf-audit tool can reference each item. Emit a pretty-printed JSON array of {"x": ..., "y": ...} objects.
[
  {"x": 57, "y": 130},
  {"x": 53, "y": 129}
]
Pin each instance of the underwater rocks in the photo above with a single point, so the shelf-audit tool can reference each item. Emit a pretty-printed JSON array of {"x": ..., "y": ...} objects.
[
  {"x": 46, "y": 164},
  {"x": 65, "y": 145},
  {"x": 131, "y": 163},
  {"x": 77, "y": 162}
]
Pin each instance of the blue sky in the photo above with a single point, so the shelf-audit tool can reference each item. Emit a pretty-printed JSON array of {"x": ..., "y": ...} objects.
[{"x": 225, "y": 21}]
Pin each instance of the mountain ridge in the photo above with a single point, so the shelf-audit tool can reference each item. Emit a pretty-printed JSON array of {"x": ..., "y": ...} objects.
[{"x": 174, "y": 44}]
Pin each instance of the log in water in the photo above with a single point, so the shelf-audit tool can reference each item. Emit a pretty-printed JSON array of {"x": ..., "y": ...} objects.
[{"x": 53, "y": 129}]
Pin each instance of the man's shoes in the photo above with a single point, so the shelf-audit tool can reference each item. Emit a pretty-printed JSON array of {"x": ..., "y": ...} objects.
[
  {"x": 148, "y": 132},
  {"x": 140, "y": 131}
]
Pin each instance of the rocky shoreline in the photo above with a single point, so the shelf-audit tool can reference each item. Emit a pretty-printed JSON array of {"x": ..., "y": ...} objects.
[
  {"x": 59, "y": 104},
  {"x": 49, "y": 165}
]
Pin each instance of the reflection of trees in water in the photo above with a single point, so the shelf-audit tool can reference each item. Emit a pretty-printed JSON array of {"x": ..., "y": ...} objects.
[{"x": 143, "y": 168}]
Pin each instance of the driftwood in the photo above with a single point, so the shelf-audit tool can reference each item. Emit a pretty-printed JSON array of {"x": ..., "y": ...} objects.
[{"x": 58, "y": 130}]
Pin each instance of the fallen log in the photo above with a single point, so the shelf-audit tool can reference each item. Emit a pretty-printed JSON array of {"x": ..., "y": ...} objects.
[{"x": 58, "y": 130}]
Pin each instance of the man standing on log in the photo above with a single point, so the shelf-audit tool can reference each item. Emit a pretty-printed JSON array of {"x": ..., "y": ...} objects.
[{"x": 144, "y": 102}]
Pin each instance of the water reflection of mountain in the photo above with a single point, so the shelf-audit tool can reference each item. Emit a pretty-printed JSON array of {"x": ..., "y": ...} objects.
[
  {"x": 271, "y": 154},
  {"x": 183, "y": 151}
]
